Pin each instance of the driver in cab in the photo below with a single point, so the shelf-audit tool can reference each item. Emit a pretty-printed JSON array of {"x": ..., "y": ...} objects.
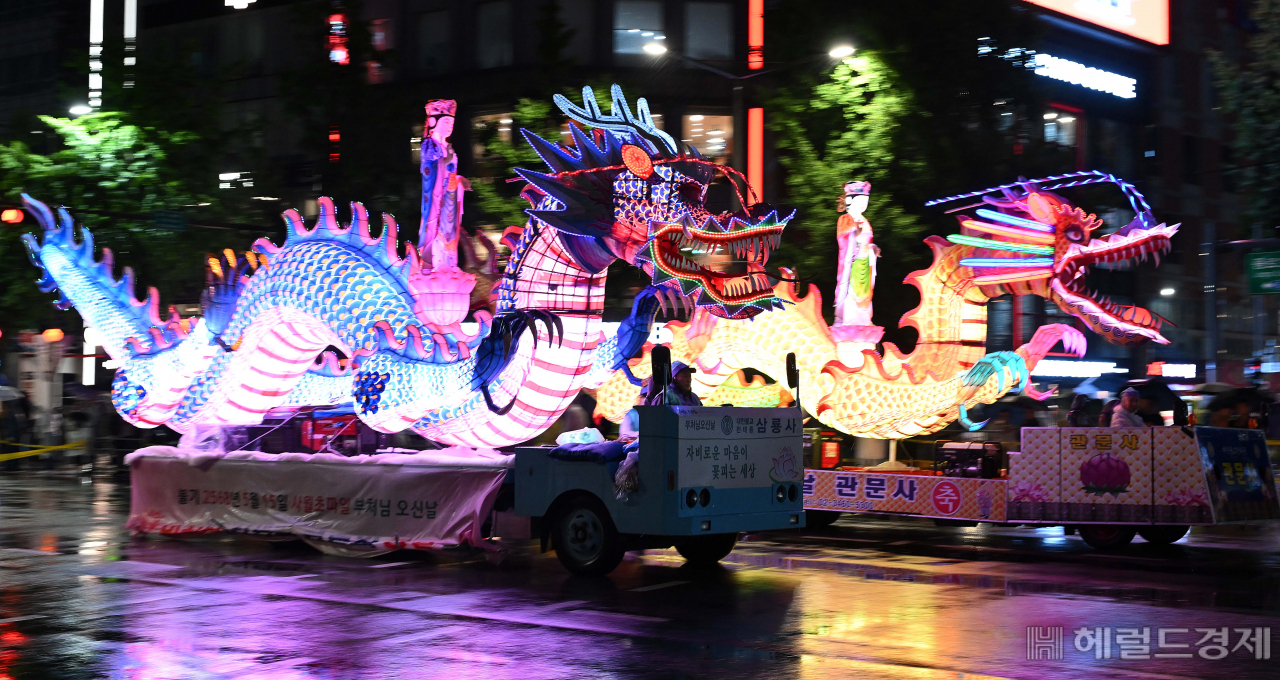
[{"x": 680, "y": 392}]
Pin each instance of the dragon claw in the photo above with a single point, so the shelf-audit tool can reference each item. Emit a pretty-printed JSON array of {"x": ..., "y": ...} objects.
[{"x": 969, "y": 424}]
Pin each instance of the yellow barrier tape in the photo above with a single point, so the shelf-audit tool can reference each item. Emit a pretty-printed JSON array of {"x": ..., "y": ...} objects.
[
  {"x": 36, "y": 452},
  {"x": 25, "y": 446}
]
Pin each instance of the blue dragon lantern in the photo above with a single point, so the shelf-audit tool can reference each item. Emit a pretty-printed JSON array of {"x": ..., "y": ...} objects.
[{"x": 625, "y": 191}]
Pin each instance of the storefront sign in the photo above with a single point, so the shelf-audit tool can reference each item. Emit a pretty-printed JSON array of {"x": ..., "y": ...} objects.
[
  {"x": 1076, "y": 73},
  {"x": 1143, "y": 19}
]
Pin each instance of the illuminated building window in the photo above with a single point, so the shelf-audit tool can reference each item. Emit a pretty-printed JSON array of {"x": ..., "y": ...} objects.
[
  {"x": 711, "y": 135},
  {"x": 1060, "y": 128},
  {"x": 708, "y": 30},
  {"x": 488, "y": 126},
  {"x": 636, "y": 23},
  {"x": 382, "y": 39},
  {"x": 381, "y": 35},
  {"x": 235, "y": 180},
  {"x": 433, "y": 42},
  {"x": 493, "y": 35}
]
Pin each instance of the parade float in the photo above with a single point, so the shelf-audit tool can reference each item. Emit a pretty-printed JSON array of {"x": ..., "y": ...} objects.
[{"x": 348, "y": 321}]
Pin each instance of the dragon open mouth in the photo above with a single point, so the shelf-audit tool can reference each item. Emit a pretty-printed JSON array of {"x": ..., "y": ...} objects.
[
  {"x": 1125, "y": 324},
  {"x": 674, "y": 247}
]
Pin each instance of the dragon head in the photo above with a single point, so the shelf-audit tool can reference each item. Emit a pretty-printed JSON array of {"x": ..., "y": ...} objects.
[
  {"x": 625, "y": 190},
  {"x": 1031, "y": 241}
]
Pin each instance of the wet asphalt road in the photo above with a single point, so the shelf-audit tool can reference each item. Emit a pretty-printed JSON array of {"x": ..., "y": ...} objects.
[{"x": 80, "y": 598}]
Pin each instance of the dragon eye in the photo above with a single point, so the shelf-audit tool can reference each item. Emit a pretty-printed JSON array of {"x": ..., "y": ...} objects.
[
  {"x": 1074, "y": 234},
  {"x": 691, "y": 193}
]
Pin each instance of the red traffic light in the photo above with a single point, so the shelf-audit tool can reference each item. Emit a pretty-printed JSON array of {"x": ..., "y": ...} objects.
[{"x": 11, "y": 215}]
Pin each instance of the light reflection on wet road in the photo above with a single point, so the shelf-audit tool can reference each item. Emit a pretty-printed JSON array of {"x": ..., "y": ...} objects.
[{"x": 868, "y": 598}]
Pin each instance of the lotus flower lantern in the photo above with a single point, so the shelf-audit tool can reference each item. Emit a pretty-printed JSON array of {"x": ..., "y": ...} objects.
[
  {"x": 442, "y": 297},
  {"x": 1105, "y": 473}
]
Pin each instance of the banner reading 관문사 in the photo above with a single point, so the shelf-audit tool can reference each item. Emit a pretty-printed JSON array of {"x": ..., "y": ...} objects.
[
  {"x": 910, "y": 494},
  {"x": 362, "y": 506}
]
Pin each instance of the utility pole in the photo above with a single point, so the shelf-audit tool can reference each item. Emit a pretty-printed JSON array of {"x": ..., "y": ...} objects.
[{"x": 1209, "y": 251}]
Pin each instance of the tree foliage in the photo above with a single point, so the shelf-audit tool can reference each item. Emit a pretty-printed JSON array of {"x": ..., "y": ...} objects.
[
  {"x": 871, "y": 111},
  {"x": 108, "y": 165},
  {"x": 1251, "y": 93}
]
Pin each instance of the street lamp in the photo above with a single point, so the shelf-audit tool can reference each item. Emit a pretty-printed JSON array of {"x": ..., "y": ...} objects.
[
  {"x": 841, "y": 51},
  {"x": 79, "y": 110}
]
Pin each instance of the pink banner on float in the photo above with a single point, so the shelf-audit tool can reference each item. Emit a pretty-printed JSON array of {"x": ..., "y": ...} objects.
[{"x": 372, "y": 506}]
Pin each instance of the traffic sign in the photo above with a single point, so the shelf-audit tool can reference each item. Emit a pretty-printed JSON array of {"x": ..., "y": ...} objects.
[{"x": 1263, "y": 267}]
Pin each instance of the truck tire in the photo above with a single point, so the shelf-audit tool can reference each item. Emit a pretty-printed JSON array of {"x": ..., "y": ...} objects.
[
  {"x": 1163, "y": 535},
  {"x": 705, "y": 550},
  {"x": 585, "y": 540},
  {"x": 820, "y": 519},
  {"x": 1107, "y": 536}
]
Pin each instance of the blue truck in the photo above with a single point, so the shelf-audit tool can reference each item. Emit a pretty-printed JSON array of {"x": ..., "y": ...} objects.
[{"x": 705, "y": 475}]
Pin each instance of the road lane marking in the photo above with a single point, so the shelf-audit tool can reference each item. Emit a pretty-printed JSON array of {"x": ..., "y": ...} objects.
[
  {"x": 16, "y": 619},
  {"x": 658, "y": 586},
  {"x": 839, "y": 538},
  {"x": 387, "y": 565},
  {"x": 567, "y": 604},
  {"x": 639, "y": 618}
]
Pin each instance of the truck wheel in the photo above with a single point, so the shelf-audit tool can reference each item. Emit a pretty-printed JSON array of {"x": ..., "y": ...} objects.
[
  {"x": 819, "y": 519},
  {"x": 704, "y": 550},
  {"x": 585, "y": 539},
  {"x": 1163, "y": 535},
  {"x": 1107, "y": 536}
]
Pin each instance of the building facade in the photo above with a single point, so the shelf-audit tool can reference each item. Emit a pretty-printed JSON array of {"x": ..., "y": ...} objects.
[{"x": 1131, "y": 92}]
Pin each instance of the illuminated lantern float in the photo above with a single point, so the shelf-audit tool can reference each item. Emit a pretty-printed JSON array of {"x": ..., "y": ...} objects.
[
  {"x": 1020, "y": 238},
  {"x": 623, "y": 190}
]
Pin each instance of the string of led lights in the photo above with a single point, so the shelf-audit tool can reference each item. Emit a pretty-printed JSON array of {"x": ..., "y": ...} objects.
[{"x": 1075, "y": 179}]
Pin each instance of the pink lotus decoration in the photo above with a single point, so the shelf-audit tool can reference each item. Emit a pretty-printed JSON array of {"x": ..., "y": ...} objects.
[
  {"x": 784, "y": 466},
  {"x": 1105, "y": 473},
  {"x": 1194, "y": 496},
  {"x": 1029, "y": 492},
  {"x": 442, "y": 297}
]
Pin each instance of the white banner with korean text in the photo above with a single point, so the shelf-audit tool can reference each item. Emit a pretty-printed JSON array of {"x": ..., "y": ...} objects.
[{"x": 370, "y": 507}]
